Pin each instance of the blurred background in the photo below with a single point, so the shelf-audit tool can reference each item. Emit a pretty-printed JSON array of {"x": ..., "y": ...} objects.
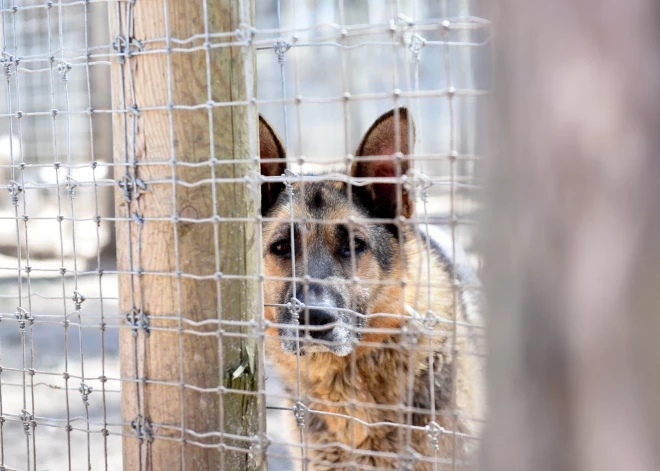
[{"x": 56, "y": 143}]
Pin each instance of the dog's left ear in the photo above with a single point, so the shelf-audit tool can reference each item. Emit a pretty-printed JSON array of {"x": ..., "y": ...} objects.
[
  {"x": 391, "y": 133},
  {"x": 270, "y": 147}
]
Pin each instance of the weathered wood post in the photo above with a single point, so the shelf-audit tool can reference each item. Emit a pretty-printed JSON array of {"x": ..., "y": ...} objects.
[
  {"x": 572, "y": 237},
  {"x": 186, "y": 240}
]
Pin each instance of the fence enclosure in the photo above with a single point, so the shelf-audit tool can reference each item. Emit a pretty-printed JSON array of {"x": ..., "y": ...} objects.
[{"x": 131, "y": 272}]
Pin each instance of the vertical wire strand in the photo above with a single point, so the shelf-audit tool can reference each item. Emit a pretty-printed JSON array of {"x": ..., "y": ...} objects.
[
  {"x": 15, "y": 191},
  {"x": 351, "y": 228},
  {"x": 216, "y": 229},
  {"x": 129, "y": 166},
  {"x": 93, "y": 164},
  {"x": 303, "y": 240},
  {"x": 452, "y": 218},
  {"x": 2, "y": 411},
  {"x": 250, "y": 78},
  {"x": 290, "y": 190},
  {"x": 71, "y": 184},
  {"x": 60, "y": 218},
  {"x": 27, "y": 246}
]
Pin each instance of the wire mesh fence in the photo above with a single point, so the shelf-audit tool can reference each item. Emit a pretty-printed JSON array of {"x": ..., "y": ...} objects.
[{"x": 316, "y": 314}]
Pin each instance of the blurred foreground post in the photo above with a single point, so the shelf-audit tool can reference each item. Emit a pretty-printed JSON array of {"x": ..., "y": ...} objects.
[
  {"x": 183, "y": 265},
  {"x": 572, "y": 237}
]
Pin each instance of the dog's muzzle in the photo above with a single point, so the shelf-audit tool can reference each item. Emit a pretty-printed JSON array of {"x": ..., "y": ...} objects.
[{"x": 321, "y": 324}]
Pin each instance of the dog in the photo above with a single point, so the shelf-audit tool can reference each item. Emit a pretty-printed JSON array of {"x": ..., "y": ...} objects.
[{"x": 355, "y": 328}]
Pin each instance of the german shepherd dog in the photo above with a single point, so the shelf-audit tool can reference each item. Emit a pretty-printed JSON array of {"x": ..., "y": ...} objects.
[{"x": 363, "y": 318}]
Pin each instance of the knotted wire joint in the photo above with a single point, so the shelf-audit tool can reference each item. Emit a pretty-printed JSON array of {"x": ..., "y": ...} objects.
[
  {"x": 28, "y": 421},
  {"x": 430, "y": 319},
  {"x": 8, "y": 61},
  {"x": 23, "y": 316},
  {"x": 71, "y": 185},
  {"x": 120, "y": 46},
  {"x": 64, "y": 68},
  {"x": 415, "y": 44},
  {"x": 288, "y": 184},
  {"x": 434, "y": 431},
  {"x": 299, "y": 410},
  {"x": 131, "y": 187},
  {"x": 14, "y": 189},
  {"x": 295, "y": 307},
  {"x": 420, "y": 185},
  {"x": 244, "y": 33},
  {"x": 142, "y": 427},
  {"x": 138, "y": 320},
  {"x": 281, "y": 47},
  {"x": 78, "y": 298},
  {"x": 85, "y": 391}
]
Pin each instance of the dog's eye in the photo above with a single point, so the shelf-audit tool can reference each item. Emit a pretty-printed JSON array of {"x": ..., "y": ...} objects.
[
  {"x": 360, "y": 246},
  {"x": 281, "y": 248}
]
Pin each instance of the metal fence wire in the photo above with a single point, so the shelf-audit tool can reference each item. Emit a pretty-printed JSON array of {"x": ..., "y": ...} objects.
[{"x": 357, "y": 317}]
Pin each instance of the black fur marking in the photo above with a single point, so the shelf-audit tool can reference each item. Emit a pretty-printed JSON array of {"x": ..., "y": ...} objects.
[
  {"x": 317, "y": 424},
  {"x": 442, "y": 385},
  {"x": 317, "y": 201},
  {"x": 270, "y": 195}
]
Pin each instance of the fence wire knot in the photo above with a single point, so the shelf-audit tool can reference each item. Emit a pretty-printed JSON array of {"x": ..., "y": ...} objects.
[
  {"x": 420, "y": 185},
  {"x": 64, "y": 68},
  {"x": 85, "y": 391},
  {"x": 244, "y": 33},
  {"x": 295, "y": 307},
  {"x": 8, "y": 61},
  {"x": 71, "y": 185},
  {"x": 143, "y": 429},
  {"x": 433, "y": 431},
  {"x": 14, "y": 189},
  {"x": 281, "y": 47},
  {"x": 28, "y": 421},
  {"x": 288, "y": 184},
  {"x": 23, "y": 316},
  {"x": 120, "y": 45},
  {"x": 430, "y": 319},
  {"x": 416, "y": 43},
  {"x": 299, "y": 411},
  {"x": 138, "y": 320},
  {"x": 126, "y": 185},
  {"x": 78, "y": 298},
  {"x": 125, "y": 47},
  {"x": 131, "y": 187}
]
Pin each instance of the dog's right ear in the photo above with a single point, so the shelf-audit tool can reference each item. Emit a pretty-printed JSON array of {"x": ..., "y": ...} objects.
[{"x": 270, "y": 147}]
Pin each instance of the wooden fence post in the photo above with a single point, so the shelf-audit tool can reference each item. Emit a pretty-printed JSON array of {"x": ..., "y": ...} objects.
[
  {"x": 572, "y": 237},
  {"x": 184, "y": 267}
]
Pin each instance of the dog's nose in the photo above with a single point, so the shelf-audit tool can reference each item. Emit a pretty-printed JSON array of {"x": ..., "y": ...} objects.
[{"x": 318, "y": 318}]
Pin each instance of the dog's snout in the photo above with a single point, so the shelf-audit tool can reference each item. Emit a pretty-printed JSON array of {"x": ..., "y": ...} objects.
[{"x": 317, "y": 319}]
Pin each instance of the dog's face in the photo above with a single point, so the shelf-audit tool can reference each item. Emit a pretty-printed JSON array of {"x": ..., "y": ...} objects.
[{"x": 323, "y": 257}]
